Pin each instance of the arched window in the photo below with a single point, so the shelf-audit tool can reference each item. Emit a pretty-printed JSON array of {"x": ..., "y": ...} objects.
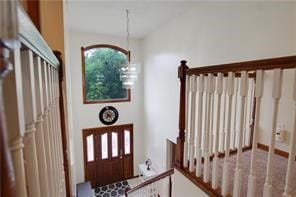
[{"x": 101, "y": 78}]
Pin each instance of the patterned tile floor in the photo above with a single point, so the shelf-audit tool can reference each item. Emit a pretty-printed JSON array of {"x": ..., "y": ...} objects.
[{"x": 114, "y": 189}]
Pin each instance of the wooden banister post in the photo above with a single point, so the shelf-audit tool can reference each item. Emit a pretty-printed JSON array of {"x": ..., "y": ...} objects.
[{"x": 180, "y": 140}]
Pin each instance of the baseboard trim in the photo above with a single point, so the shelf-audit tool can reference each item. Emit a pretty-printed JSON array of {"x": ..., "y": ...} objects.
[
  {"x": 276, "y": 151},
  {"x": 136, "y": 176}
]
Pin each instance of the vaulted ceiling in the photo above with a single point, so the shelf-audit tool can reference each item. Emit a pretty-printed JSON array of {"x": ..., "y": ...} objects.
[{"x": 109, "y": 17}]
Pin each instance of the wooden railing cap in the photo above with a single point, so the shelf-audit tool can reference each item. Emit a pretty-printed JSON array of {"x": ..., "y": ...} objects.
[{"x": 148, "y": 182}]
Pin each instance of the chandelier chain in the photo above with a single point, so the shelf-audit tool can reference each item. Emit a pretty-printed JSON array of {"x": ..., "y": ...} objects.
[{"x": 127, "y": 30}]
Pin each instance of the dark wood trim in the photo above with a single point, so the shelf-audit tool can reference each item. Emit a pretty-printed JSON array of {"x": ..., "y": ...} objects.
[
  {"x": 181, "y": 138},
  {"x": 128, "y": 99},
  {"x": 33, "y": 10},
  {"x": 237, "y": 75},
  {"x": 83, "y": 49},
  {"x": 222, "y": 154},
  {"x": 263, "y": 64},
  {"x": 231, "y": 152},
  {"x": 276, "y": 151},
  {"x": 107, "y": 46},
  {"x": 8, "y": 184},
  {"x": 149, "y": 181},
  {"x": 58, "y": 54},
  {"x": 98, "y": 129},
  {"x": 135, "y": 176},
  {"x": 198, "y": 181}
]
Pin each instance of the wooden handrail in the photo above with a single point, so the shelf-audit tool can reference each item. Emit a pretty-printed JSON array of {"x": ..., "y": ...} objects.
[
  {"x": 32, "y": 39},
  {"x": 148, "y": 182},
  {"x": 263, "y": 64}
]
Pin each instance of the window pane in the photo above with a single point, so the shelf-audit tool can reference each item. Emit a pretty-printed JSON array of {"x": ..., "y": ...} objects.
[
  {"x": 104, "y": 142},
  {"x": 127, "y": 142},
  {"x": 90, "y": 147},
  {"x": 114, "y": 144},
  {"x": 102, "y": 77}
]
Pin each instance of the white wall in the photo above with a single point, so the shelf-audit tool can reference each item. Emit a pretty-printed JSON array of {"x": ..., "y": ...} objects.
[
  {"x": 182, "y": 186},
  {"x": 294, "y": 27},
  {"x": 86, "y": 115},
  {"x": 210, "y": 33}
]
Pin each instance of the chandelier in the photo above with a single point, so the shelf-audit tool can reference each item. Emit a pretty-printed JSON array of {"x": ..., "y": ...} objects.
[{"x": 128, "y": 72}]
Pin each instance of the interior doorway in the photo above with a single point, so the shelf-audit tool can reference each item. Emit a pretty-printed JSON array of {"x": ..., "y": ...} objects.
[{"x": 108, "y": 154}]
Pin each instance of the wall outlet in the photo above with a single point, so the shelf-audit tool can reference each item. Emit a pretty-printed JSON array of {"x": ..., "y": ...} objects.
[{"x": 280, "y": 133}]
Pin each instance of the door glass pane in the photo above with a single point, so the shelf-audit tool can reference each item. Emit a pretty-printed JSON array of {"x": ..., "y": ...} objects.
[
  {"x": 114, "y": 144},
  {"x": 127, "y": 142},
  {"x": 104, "y": 143},
  {"x": 90, "y": 147}
]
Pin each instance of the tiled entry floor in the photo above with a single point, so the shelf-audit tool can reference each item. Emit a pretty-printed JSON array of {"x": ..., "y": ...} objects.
[{"x": 115, "y": 189}]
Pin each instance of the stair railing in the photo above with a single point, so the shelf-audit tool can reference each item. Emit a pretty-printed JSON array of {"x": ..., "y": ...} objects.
[
  {"x": 219, "y": 115},
  {"x": 31, "y": 140},
  {"x": 161, "y": 185}
]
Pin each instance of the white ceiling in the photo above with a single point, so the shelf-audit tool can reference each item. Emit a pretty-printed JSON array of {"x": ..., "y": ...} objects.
[{"x": 109, "y": 17}]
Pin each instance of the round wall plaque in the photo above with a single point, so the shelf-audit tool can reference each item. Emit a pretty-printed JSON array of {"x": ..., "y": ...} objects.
[{"x": 108, "y": 115}]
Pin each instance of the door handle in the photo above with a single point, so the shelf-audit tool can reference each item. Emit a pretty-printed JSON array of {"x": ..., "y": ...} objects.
[{"x": 120, "y": 153}]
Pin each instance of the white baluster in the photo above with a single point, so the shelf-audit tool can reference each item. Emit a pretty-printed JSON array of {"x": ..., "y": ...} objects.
[
  {"x": 57, "y": 131},
  {"x": 14, "y": 110},
  {"x": 56, "y": 123},
  {"x": 245, "y": 124},
  {"x": 224, "y": 117},
  {"x": 212, "y": 117},
  {"x": 63, "y": 182},
  {"x": 199, "y": 125},
  {"x": 291, "y": 162},
  {"x": 219, "y": 91},
  {"x": 238, "y": 170},
  {"x": 153, "y": 188},
  {"x": 186, "y": 144},
  {"x": 234, "y": 130},
  {"x": 30, "y": 119},
  {"x": 192, "y": 122},
  {"x": 47, "y": 128},
  {"x": 276, "y": 95},
  {"x": 250, "y": 114},
  {"x": 225, "y": 176},
  {"x": 52, "y": 131},
  {"x": 42, "y": 163},
  {"x": 209, "y": 93},
  {"x": 258, "y": 96}
]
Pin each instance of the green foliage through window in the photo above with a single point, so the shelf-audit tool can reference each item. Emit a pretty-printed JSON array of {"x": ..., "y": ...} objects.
[{"x": 102, "y": 81}]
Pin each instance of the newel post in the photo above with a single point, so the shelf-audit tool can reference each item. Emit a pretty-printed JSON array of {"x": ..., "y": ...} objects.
[{"x": 181, "y": 138}]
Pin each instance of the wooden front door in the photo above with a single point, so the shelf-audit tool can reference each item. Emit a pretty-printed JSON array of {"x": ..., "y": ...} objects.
[{"x": 108, "y": 154}]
